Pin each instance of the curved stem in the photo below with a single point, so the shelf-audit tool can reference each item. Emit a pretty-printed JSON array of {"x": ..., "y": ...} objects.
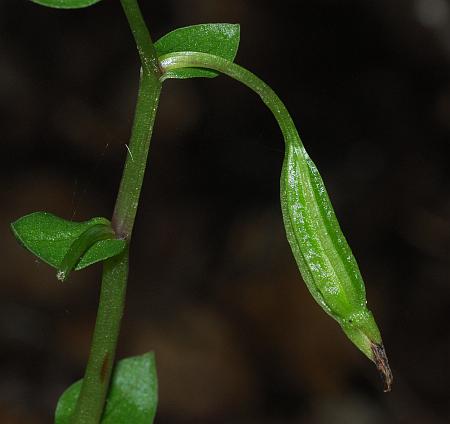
[{"x": 179, "y": 60}]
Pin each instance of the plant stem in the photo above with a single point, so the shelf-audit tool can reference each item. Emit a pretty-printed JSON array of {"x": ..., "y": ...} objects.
[
  {"x": 142, "y": 37},
  {"x": 93, "y": 392},
  {"x": 95, "y": 384},
  {"x": 147, "y": 104},
  {"x": 136, "y": 162},
  {"x": 179, "y": 60}
]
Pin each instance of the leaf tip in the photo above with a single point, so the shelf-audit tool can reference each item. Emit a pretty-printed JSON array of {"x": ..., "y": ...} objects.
[{"x": 61, "y": 276}]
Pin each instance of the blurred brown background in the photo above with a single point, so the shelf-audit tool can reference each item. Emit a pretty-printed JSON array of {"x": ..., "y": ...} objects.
[{"x": 214, "y": 290}]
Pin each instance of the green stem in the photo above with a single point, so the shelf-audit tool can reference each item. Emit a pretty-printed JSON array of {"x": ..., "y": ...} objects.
[
  {"x": 136, "y": 162},
  {"x": 179, "y": 60},
  {"x": 144, "y": 44},
  {"x": 93, "y": 392},
  {"x": 147, "y": 104},
  {"x": 115, "y": 272}
]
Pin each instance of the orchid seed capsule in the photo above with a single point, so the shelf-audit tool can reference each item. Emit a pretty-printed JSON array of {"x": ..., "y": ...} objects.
[{"x": 323, "y": 255}]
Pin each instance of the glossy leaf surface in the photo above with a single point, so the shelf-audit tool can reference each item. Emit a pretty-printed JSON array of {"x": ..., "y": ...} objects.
[
  {"x": 132, "y": 397},
  {"x": 66, "y": 4},
  {"x": 218, "y": 39},
  {"x": 50, "y": 238}
]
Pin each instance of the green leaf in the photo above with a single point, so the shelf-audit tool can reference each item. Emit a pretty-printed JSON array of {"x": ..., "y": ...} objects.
[
  {"x": 217, "y": 39},
  {"x": 132, "y": 397},
  {"x": 66, "y": 4},
  {"x": 50, "y": 238}
]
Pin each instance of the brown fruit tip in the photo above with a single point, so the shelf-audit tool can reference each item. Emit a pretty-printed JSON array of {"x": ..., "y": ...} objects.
[{"x": 382, "y": 363}]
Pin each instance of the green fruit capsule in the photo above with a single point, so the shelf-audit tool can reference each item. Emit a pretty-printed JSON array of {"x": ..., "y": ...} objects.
[
  {"x": 320, "y": 249},
  {"x": 323, "y": 255}
]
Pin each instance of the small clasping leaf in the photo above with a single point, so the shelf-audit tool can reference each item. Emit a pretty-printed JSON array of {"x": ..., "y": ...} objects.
[{"x": 67, "y": 245}]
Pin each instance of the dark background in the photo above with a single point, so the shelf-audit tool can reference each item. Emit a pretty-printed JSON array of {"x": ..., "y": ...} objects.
[{"x": 213, "y": 288}]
